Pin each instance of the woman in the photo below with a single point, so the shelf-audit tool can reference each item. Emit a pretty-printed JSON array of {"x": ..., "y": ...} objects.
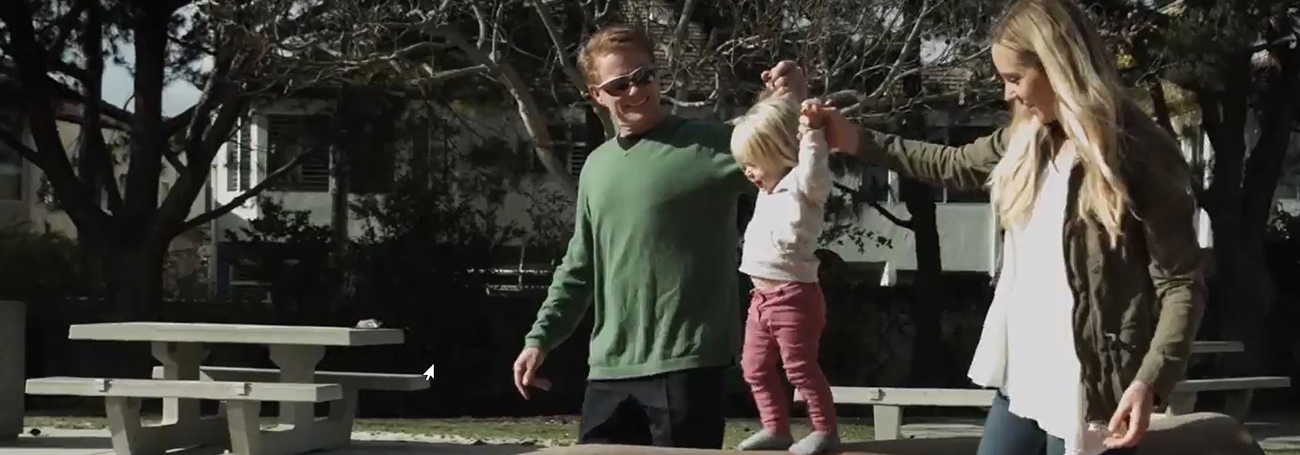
[{"x": 1100, "y": 291}]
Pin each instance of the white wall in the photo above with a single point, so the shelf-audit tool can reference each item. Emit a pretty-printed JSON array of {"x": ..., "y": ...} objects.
[{"x": 965, "y": 238}]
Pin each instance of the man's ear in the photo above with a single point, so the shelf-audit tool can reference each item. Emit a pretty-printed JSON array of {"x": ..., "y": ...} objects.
[{"x": 593, "y": 92}]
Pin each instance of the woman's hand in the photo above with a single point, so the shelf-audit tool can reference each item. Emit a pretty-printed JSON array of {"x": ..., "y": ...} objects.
[
  {"x": 841, "y": 135},
  {"x": 1134, "y": 412}
]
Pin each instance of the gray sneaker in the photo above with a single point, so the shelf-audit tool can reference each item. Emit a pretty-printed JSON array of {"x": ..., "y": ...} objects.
[
  {"x": 766, "y": 439},
  {"x": 816, "y": 443}
]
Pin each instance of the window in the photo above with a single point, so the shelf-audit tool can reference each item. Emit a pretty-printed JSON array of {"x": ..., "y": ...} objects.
[
  {"x": 11, "y": 163},
  {"x": 245, "y": 157},
  {"x": 569, "y": 141},
  {"x": 239, "y": 166},
  {"x": 578, "y": 153},
  {"x": 291, "y": 135}
]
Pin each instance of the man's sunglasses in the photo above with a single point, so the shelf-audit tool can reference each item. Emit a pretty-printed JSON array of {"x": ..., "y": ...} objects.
[{"x": 620, "y": 85}]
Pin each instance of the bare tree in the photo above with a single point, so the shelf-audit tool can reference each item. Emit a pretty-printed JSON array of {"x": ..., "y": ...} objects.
[{"x": 233, "y": 51}]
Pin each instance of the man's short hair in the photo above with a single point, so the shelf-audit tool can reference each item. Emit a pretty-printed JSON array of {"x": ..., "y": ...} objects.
[{"x": 610, "y": 39}]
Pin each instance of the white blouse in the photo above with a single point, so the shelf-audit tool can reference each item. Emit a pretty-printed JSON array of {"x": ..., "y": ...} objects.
[{"x": 1027, "y": 345}]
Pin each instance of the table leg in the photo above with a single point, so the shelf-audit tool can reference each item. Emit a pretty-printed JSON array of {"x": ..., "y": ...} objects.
[
  {"x": 1237, "y": 404},
  {"x": 297, "y": 364},
  {"x": 245, "y": 436},
  {"x": 124, "y": 425},
  {"x": 1181, "y": 403},
  {"x": 888, "y": 421},
  {"x": 180, "y": 361}
]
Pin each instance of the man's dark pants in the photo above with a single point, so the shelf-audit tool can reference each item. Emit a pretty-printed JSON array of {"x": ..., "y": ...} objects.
[{"x": 676, "y": 409}]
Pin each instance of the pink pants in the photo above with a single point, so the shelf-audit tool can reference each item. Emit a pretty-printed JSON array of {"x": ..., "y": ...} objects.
[{"x": 787, "y": 321}]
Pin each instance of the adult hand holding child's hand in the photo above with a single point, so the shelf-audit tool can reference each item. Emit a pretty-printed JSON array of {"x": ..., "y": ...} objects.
[
  {"x": 812, "y": 114},
  {"x": 841, "y": 135},
  {"x": 786, "y": 76}
]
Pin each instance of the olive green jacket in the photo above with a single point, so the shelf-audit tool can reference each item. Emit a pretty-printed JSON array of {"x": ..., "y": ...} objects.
[{"x": 1137, "y": 305}]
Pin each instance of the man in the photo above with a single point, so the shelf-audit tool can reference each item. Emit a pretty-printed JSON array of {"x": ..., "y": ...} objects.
[{"x": 654, "y": 247}]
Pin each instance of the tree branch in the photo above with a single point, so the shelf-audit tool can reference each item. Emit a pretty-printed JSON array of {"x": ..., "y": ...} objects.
[
  {"x": 577, "y": 80},
  {"x": 68, "y": 93},
  {"x": 70, "y": 69},
  {"x": 482, "y": 25},
  {"x": 174, "y": 160},
  {"x": 863, "y": 196},
  {"x": 37, "y": 95},
  {"x": 905, "y": 53},
  {"x": 81, "y": 120},
  {"x": 533, "y": 119},
  {"x": 239, "y": 200},
  {"x": 554, "y": 34},
  {"x": 1161, "y": 107},
  {"x": 396, "y": 55},
  {"x": 1271, "y": 44},
  {"x": 690, "y": 104},
  {"x": 96, "y": 164},
  {"x": 178, "y": 122},
  {"x": 444, "y": 76},
  {"x": 12, "y": 141}
]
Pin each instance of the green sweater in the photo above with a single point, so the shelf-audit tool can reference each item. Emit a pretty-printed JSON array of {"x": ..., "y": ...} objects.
[{"x": 654, "y": 247}]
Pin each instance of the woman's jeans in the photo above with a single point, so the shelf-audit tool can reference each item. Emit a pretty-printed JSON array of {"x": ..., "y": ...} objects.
[{"x": 1009, "y": 434}]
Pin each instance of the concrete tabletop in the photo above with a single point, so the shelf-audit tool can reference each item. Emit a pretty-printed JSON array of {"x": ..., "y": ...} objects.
[{"x": 235, "y": 333}]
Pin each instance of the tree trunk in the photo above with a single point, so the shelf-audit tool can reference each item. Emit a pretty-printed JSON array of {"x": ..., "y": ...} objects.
[
  {"x": 1241, "y": 293},
  {"x": 927, "y": 350},
  {"x": 133, "y": 280},
  {"x": 1238, "y": 299},
  {"x": 339, "y": 225}
]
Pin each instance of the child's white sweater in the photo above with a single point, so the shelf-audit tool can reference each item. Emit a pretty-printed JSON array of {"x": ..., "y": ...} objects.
[{"x": 782, "y": 235}]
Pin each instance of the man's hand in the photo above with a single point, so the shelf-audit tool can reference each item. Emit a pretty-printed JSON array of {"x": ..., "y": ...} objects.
[
  {"x": 526, "y": 365},
  {"x": 788, "y": 77},
  {"x": 1135, "y": 413}
]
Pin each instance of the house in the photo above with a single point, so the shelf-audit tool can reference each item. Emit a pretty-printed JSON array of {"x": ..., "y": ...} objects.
[{"x": 277, "y": 130}]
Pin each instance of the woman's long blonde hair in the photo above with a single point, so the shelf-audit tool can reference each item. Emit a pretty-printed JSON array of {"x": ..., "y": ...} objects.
[{"x": 1056, "y": 36}]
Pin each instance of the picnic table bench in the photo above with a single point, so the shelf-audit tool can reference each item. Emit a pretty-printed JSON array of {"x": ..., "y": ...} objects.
[
  {"x": 888, "y": 402},
  {"x": 181, "y": 381},
  {"x": 1241, "y": 390}
]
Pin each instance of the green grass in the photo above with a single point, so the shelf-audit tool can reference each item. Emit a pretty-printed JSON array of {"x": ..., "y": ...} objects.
[
  {"x": 559, "y": 430},
  {"x": 547, "y": 430},
  {"x": 563, "y": 430}
]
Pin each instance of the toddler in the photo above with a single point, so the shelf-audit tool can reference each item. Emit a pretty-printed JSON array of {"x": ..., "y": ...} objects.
[{"x": 781, "y": 147}]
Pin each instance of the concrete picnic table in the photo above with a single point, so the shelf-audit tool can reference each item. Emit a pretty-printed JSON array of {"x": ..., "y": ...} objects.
[{"x": 295, "y": 350}]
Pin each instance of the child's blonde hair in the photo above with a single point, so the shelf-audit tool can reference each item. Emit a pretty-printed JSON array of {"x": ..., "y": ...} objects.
[{"x": 767, "y": 136}]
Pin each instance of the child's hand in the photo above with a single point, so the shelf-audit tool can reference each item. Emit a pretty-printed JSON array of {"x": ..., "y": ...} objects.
[{"x": 812, "y": 114}]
